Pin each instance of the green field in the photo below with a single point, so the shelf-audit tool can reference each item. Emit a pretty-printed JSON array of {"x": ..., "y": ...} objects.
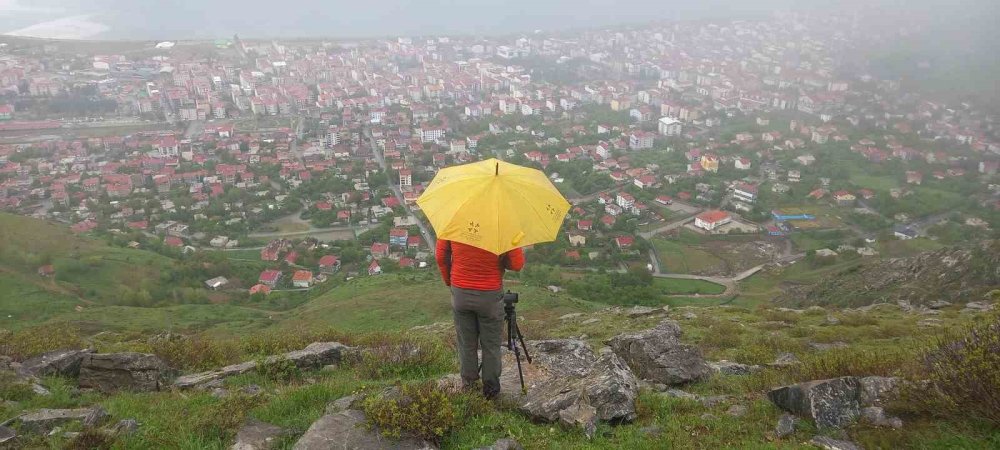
[
  {"x": 675, "y": 286},
  {"x": 873, "y": 182},
  {"x": 676, "y": 257}
]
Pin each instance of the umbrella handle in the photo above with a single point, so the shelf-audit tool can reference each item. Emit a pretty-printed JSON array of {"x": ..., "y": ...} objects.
[
  {"x": 517, "y": 238},
  {"x": 497, "y": 169}
]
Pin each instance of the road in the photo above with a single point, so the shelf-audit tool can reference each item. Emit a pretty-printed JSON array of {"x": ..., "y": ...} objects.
[{"x": 380, "y": 158}]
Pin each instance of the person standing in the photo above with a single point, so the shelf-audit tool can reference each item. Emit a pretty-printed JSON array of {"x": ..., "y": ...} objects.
[{"x": 476, "y": 280}]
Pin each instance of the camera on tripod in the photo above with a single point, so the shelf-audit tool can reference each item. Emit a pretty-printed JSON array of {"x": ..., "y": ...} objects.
[
  {"x": 514, "y": 336},
  {"x": 510, "y": 298}
]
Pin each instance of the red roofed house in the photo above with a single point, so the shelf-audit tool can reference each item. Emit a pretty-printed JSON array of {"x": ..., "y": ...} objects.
[
  {"x": 584, "y": 225},
  {"x": 413, "y": 242},
  {"x": 380, "y": 250},
  {"x": 173, "y": 241},
  {"x": 624, "y": 242},
  {"x": 374, "y": 268},
  {"x": 329, "y": 264},
  {"x": 270, "y": 277},
  {"x": 844, "y": 198},
  {"x": 710, "y": 220},
  {"x": 260, "y": 289},
  {"x": 302, "y": 278},
  {"x": 291, "y": 257}
]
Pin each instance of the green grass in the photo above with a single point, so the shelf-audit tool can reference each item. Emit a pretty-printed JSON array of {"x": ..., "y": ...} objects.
[
  {"x": 874, "y": 183},
  {"x": 676, "y": 257},
  {"x": 25, "y": 300},
  {"x": 673, "y": 286},
  {"x": 904, "y": 248}
]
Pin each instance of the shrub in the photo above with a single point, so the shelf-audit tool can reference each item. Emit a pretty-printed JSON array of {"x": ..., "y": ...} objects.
[
  {"x": 392, "y": 357},
  {"x": 964, "y": 373},
  {"x": 226, "y": 416},
  {"x": 850, "y": 362},
  {"x": 857, "y": 319},
  {"x": 278, "y": 369},
  {"x": 91, "y": 439},
  {"x": 420, "y": 410},
  {"x": 23, "y": 344}
]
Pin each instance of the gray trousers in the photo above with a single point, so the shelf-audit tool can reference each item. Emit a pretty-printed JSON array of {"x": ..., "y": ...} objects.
[{"x": 478, "y": 324}]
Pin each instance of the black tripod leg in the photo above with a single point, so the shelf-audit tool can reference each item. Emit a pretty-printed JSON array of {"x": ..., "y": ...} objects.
[{"x": 520, "y": 338}]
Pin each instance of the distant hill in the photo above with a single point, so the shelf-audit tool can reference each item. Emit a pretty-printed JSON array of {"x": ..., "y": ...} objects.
[{"x": 955, "y": 274}]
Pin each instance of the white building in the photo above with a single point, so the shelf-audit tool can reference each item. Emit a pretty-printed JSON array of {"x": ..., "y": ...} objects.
[
  {"x": 710, "y": 220},
  {"x": 669, "y": 126}
]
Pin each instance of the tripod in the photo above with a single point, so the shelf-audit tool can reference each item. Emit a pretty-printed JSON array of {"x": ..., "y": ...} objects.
[{"x": 514, "y": 336}]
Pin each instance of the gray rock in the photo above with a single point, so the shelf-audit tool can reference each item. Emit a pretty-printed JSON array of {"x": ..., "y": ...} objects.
[
  {"x": 220, "y": 392},
  {"x": 257, "y": 435},
  {"x": 642, "y": 311},
  {"x": 580, "y": 416},
  {"x": 677, "y": 393},
  {"x": 822, "y": 346},
  {"x": 938, "y": 304},
  {"x": 125, "y": 427},
  {"x": 713, "y": 401},
  {"x": 689, "y": 315},
  {"x": 315, "y": 355},
  {"x": 784, "y": 360},
  {"x": 565, "y": 372},
  {"x": 707, "y": 417},
  {"x": 830, "y": 403},
  {"x": 737, "y": 410},
  {"x": 875, "y": 415},
  {"x": 570, "y": 316},
  {"x": 786, "y": 425},
  {"x": 95, "y": 417},
  {"x": 733, "y": 368},
  {"x": 658, "y": 355},
  {"x": 63, "y": 363},
  {"x": 347, "y": 430},
  {"x": 658, "y": 387},
  {"x": 590, "y": 321},
  {"x": 504, "y": 444},
  {"x": 876, "y": 391},
  {"x": 341, "y": 404},
  {"x": 42, "y": 421},
  {"x": 7, "y": 434},
  {"x": 828, "y": 443},
  {"x": 112, "y": 372},
  {"x": 832, "y": 320},
  {"x": 981, "y": 306},
  {"x": 40, "y": 390},
  {"x": 930, "y": 323}
]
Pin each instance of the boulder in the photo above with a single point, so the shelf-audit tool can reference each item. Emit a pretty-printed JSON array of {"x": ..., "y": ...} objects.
[
  {"x": 580, "y": 416},
  {"x": 830, "y": 403},
  {"x": 590, "y": 321},
  {"x": 875, "y": 415},
  {"x": 42, "y": 421},
  {"x": 565, "y": 372},
  {"x": 642, "y": 311},
  {"x": 314, "y": 356},
  {"x": 938, "y": 304},
  {"x": 828, "y": 443},
  {"x": 786, "y": 425},
  {"x": 125, "y": 427},
  {"x": 677, "y": 393},
  {"x": 876, "y": 391},
  {"x": 341, "y": 404},
  {"x": 95, "y": 417},
  {"x": 346, "y": 429},
  {"x": 111, "y": 372},
  {"x": 570, "y": 316},
  {"x": 733, "y": 368},
  {"x": 7, "y": 434},
  {"x": 658, "y": 355},
  {"x": 257, "y": 435},
  {"x": 690, "y": 315},
  {"x": 63, "y": 363}
]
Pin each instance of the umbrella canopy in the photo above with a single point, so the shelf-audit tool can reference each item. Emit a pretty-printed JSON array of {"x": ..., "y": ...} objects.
[{"x": 493, "y": 205}]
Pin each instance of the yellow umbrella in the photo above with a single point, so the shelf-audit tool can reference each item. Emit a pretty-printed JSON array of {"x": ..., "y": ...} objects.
[{"x": 493, "y": 205}]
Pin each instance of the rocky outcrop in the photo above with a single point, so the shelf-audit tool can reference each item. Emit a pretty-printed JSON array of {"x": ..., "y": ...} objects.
[
  {"x": 63, "y": 363},
  {"x": 7, "y": 435},
  {"x": 347, "y": 430},
  {"x": 659, "y": 356},
  {"x": 257, "y": 435},
  {"x": 955, "y": 274},
  {"x": 833, "y": 403},
  {"x": 580, "y": 416},
  {"x": 566, "y": 373},
  {"x": 111, "y": 372},
  {"x": 42, "y": 421},
  {"x": 504, "y": 444},
  {"x": 733, "y": 368},
  {"x": 314, "y": 356}
]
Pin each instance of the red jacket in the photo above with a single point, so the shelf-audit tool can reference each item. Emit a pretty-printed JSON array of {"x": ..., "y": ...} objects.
[{"x": 475, "y": 268}]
